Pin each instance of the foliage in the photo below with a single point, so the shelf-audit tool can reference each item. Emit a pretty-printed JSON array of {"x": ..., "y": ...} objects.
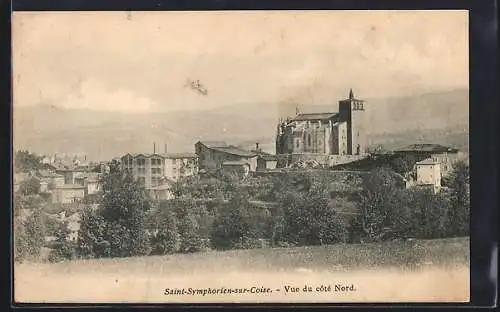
[
  {"x": 64, "y": 249},
  {"x": 91, "y": 234},
  {"x": 30, "y": 186},
  {"x": 459, "y": 212},
  {"x": 404, "y": 165},
  {"x": 309, "y": 219},
  {"x": 167, "y": 239},
  {"x": 189, "y": 232},
  {"x": 28, "y": 237},
  {"x": 124, "y": 208},
  {"x": 26, "y": 161},
  {"x": 381, "y": 211},
  {"x": 231, "y": 227}
]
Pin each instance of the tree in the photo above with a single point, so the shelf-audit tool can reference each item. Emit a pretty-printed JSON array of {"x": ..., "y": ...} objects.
[
  {"x": 231, "y": 228},
  {"x": 189, "y": 232},
  {"x": 459, "y": 212},
  {"x": 124, "y": 206},
  {"x": 30, "y": 186},
  {"x": 28, "y": 237},
  {"x": 378, "y": 204},
  {"x": 90, "y": 240},
  {"x": 167, "y": 239},
  {"x": 310, "y": 220},
  {"x": 64, "y": 249},
  {"x": 25, "y": 161}
]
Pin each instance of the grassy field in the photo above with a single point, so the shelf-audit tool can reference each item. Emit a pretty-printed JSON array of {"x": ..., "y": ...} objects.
[{"x": 436, "y": 270}]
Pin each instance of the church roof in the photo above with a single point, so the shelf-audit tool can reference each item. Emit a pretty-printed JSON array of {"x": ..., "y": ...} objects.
[{"x": 315, "y": 116}]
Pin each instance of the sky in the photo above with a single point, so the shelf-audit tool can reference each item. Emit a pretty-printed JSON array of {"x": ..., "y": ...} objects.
[{"x": 141, "y": 61}]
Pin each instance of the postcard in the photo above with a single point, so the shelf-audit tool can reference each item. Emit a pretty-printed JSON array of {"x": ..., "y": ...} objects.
[{"x": 241, "y": 157}]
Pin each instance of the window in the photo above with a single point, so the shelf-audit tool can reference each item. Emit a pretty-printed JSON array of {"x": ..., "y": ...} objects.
[
  {"x": 155, "y": 162},
  {"x": 141, "y": 162},
  {"x": 309, "y": 139},
  {"x": 297, "y": 143},
  {"x": 155, "y": 170}
]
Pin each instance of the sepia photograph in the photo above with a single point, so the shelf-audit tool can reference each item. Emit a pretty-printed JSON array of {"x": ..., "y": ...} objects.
[{"x": 241, "y": 157}]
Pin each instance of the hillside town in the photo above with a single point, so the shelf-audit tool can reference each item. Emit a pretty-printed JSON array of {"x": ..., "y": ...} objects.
[{"x": 330, "y": 141}]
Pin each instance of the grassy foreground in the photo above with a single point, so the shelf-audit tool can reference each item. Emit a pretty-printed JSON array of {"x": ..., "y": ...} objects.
[{"x": 431, "y": 270}]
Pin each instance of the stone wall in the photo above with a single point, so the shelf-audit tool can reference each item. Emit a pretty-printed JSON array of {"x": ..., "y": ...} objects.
[{"x": 328, "y": 160}]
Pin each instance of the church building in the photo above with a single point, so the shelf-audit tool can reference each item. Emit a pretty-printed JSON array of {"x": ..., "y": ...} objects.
[{"x": 341, "y": 133}]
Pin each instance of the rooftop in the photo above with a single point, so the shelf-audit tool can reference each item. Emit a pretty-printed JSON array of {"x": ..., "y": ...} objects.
[
  {"x": 427, "y": 161},
  {"x": 162, "y": 155},
  {"x": 235, "y": 163},
  {"x": 179, "y": 155},
  {"x": 214, "y": 143},
  {"x": 234, "y": 151},
  {"x": 432, "y": 148},
  {"x": 47, "y": 174},
  {"x": 70, "y": 186},
  {"x": 315, "y": 116}
]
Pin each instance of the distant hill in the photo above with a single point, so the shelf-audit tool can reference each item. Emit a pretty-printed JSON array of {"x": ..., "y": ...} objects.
[{"x": 438, "y": 117}]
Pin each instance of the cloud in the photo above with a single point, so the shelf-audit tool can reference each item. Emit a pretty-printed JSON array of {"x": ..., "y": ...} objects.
[{"x": 93, "y": 94}]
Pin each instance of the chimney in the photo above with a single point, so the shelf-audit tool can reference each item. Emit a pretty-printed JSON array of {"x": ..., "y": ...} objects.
[
  {"x": 165, "y": 148},
  {"x": 154, "y": 148},
  {"x": 257, "y": 146}
]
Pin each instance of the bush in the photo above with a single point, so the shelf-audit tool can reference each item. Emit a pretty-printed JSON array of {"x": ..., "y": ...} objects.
[
  {"x": 231, "y": 227},
  {"x": 167, "y": 239},
  {"x": 30, "y": 186},
  {"x": 28, "y": 237},
  {"x": 189, "y": 232}
]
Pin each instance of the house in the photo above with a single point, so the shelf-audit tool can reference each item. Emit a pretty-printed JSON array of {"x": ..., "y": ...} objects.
[
  {"x": 212, "y": 155},
  {"x": 153, "y": 169},
  {"x": 18, "y": 178},
  {"x": 49, "y": 179},
  {"x": 239, "y": 167},
  {"x": 73, "y": 226},
  {"x": 267, "y": 162},
  {"x": 429, "y": 174},
  {"x": 161, "y": 192},
  {"x": 445, "y": 156},
  {"x": 68, "y": 193},
  {"x": 90, "y": 180}
]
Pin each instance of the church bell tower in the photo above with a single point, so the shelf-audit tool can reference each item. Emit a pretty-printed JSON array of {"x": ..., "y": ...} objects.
[{"x": 352, "y": 111}]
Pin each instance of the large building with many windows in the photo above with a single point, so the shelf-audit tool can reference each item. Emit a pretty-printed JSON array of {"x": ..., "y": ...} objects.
[{"x": 156, "y": 169}]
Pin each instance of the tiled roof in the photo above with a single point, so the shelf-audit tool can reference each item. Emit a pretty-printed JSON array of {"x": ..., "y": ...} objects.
[
  {"x": 427, "y": 161},
  {"x": 162, "y": 155},
  {"x": 91, "y": 176},
  {"x": 164, "y": 187},
  {"x": 234, "y": 151},
  {"x": 315, "y": 116},
  {"x": 70, "y": 186},
  {"x": 179, "y": 155},
  {"x": 432, "y": 148},
  {"x": 234, "y": 163},
  {"x": 47, "y": 174},
  {"x": 269, "y": 157},
  {"x": 214, "y": 143}
]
